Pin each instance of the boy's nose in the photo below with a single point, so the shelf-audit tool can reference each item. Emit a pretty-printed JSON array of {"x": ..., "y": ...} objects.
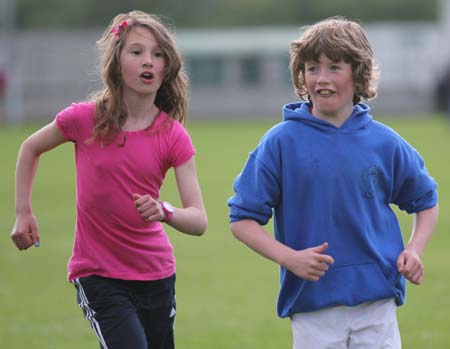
[{"x": 323, "y": 77}]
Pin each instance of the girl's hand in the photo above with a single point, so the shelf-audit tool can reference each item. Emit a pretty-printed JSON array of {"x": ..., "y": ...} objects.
[
  {"x": 309, "y": 264},
  {"x": 25, "y": 232},
  {"x": 148, "y": 208},
  {"x": 410, "y": 265}
]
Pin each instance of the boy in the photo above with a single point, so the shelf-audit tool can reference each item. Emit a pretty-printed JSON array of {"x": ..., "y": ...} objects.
[{"x": 328, "y": 173}]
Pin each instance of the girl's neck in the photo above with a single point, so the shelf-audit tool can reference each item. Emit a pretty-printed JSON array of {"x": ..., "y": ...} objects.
[
  {"x": 140, "y": 114},
  {"x": 139, "y": 107}
]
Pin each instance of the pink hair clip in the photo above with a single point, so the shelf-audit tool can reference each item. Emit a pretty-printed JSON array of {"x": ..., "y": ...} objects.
[{"x": 118, "y": 28}]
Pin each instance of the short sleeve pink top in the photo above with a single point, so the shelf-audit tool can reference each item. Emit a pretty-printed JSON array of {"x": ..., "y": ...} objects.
[{"x": 111, "y": 239}]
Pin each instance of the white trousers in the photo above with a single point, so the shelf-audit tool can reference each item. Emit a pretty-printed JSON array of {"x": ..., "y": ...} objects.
[{"x": 371, "y": 325}]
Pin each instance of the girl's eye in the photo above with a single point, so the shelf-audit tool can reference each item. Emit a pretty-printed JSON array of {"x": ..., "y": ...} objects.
[
  {"x": 135, "y": 52},
  {"x": 335, "y": 67},
  {"x": 159, "y": 54},
  {"x": 311, "y": 69}
]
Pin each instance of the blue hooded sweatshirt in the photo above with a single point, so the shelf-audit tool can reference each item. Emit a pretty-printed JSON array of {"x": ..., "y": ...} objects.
[{"x": 327, "y": 184}]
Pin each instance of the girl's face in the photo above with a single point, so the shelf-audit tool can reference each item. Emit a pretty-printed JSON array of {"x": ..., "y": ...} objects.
[
  {"x": 331, "y": 88},
  {"x": 142, "y": 64}
]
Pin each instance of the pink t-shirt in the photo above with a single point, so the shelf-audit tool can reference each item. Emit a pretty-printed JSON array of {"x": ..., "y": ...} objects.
[{"x": 111, "y": 239}]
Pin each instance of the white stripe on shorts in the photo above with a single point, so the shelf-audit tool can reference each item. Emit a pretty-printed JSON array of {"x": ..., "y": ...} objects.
[{"x": 89, "y": 313}]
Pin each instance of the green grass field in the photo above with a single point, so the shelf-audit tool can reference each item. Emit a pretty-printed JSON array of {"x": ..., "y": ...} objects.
[{"x": 226, "y": 294}]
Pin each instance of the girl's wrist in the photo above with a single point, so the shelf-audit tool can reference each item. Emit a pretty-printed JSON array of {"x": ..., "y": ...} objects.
[
  {"x": 168, "y": 211},
  {"x": 23, "y": 211}
]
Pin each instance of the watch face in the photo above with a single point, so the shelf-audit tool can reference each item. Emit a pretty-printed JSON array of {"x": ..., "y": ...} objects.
[{"x": 168, "y": 206}]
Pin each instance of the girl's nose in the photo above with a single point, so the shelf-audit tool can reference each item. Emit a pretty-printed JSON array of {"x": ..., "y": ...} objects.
[{"x": 147, "y": 62}]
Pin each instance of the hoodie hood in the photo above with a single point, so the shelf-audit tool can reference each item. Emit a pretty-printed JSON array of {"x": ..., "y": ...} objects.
[{"x": 299, "y": 111}]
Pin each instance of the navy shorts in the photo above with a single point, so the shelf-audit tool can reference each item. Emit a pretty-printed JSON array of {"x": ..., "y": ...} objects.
[{"x": 129, "y": 314}]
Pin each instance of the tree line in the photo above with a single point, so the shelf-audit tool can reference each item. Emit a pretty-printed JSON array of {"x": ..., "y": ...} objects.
[{"x": 53, "y": 14}]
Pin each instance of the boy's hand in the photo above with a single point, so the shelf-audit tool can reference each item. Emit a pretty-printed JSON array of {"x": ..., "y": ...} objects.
[
  {"x": 410, "y": 265},
  {"x": 148, "y": 208},
  {"x": 311, "y": 263},
  {"x": 25, "y": 232}
]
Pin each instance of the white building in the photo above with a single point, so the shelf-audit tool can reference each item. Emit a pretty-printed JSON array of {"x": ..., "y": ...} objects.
[{"x": 235, "y": 73}]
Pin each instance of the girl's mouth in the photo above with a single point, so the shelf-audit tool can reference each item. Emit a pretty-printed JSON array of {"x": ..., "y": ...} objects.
[{"x": 147, "y": 76}]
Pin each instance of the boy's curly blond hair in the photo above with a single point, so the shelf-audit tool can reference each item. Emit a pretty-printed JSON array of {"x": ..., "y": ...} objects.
[{"x": 339, "y": 39}]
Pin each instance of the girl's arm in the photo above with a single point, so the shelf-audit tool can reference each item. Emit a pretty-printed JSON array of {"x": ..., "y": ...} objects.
[
  {"x": 309, "y": 264},
  {"x": 25, "y": 231},
  {"x": 192, "y": 218},
  {"x": 409, "y": 262}
]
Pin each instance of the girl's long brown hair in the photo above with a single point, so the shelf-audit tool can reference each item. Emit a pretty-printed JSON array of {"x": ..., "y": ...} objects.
[{"x": 172, "y": 96}]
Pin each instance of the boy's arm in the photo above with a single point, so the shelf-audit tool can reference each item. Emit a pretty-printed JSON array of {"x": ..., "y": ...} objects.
[
  {"x": 25, "y": 231},
  {"x": 309, "y": 264},
  {"x": 409, "y": 262}
]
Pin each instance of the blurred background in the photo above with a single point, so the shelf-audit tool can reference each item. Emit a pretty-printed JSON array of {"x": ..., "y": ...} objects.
[{"x": 236, "y": 52}]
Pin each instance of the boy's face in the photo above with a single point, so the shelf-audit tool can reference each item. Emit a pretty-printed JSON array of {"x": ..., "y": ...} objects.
[{"x": 331, "y": 88}]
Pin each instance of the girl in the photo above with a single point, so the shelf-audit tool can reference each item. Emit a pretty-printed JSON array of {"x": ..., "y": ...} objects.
[
  {"x": 126, "y": 138},
  {"x": 328, "y": 173}
]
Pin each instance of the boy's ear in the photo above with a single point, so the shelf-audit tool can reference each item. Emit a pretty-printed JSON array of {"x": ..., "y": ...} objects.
[{"x": 301, "y": 74}]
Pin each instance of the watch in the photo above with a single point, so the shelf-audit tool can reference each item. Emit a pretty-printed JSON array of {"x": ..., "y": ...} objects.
[{"x": 168, "y": 211}]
